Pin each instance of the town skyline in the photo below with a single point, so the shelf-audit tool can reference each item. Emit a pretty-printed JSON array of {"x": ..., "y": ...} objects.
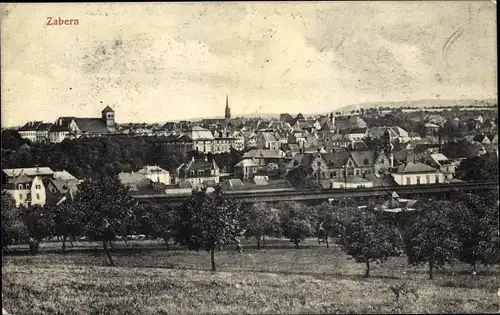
[{"x": 268, "y": 57}]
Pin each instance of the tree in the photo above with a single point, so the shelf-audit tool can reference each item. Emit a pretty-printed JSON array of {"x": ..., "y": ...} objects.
[
  {"x": 474, "y": 222},
  {"x": 430, "y": 238},
  {"x": 208, "y": 221},
  {"x": 67, "y": 221},
  {"x": 297, "y": 221},
  {"x": 369, "y": 238},
  {"x": 484, "y": 167},
  {"x": 298, "y": 176},
  {"x": 106, "y": 209},
  {"x": 164, "y": 222},
  {"x": 259, "y": 220},
  {"x": 13, "y": 229},
  {"x": 39, "y": 224},
  {"x": 297, "y": 229}
]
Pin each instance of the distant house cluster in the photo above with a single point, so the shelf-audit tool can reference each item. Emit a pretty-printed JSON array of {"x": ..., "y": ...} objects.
[
  {"x": 335, "y": 150},
  {"x": 69, "y": 127}
]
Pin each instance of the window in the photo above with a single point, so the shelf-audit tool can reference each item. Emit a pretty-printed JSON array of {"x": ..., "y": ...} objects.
[
  {"x": 21, "y": 197},
  {"x": 408, "y": 180},
  {"x": 323, "y": 175},
  {"x": 418, "y": 180},
  {"x": 357, "y": 172},
  {"x": 38, "y": 186},
  {"x": 319, "y": 164},
  {"x": 20, "y": 186},
  {"x": 366, "y": 162},
  {"x": 437, "y": 179},
  {"x": 333, "y": 174},
  {"x": 37, "y": 196},
  {"x": 191, "y": 173},
  {"x": 428, "y": 179}
]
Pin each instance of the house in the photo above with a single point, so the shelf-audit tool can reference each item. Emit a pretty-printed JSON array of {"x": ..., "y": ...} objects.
[
  {"x": 336, "y": 140},
  {"x": 285, "y": 117},
  {"x": 417, "y": 174},
  {"x": 156, "y": 174},
  {"x": 305, "y": 125},
  {"x": 355, "y": 134},
  {"x": 340, "y": 165},
  {"x": 267, "y": 140},
  {"x": 28, "y": 131},
  {"x": 134, "y": 181},
  {"x": 396, "y": 133},
  {"x": 327, "y": 128},
  {"x": 435, "y": 119},
  {"x": 25, "y": 190},
  {"x": 258, "y": 160},
  {"x": 443, "y": 164},
  {"x": 223, "y": 142},
  {"x": 357, "y": 145},
  {"x": 343, "y": 123},
  {"x": 350, "y": 182},
  {"x": 486, "y": 139},
  {"x": 178, "y": 143},
  {"x": 42, "y": 172},
  {"x": 198, "y": 172},
  {"x": 431, "y": 129},
  {"x": 58, "y": 188},
  {"x": 202, "y": 138}
]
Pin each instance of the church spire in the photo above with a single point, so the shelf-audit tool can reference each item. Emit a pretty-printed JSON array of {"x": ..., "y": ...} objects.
[{"x": 228, "y": 110}]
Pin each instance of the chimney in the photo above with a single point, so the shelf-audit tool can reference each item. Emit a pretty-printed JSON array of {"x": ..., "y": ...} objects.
[{"x": 60, "y": 122}]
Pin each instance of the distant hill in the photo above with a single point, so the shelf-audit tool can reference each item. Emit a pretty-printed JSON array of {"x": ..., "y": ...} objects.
[{"x": 419, "y": 104}]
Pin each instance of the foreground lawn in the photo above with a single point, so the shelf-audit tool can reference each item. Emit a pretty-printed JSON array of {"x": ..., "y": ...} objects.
[{"x": 278, "y": 279}]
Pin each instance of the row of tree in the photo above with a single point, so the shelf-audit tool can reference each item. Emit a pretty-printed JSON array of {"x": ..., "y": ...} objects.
[
  {"x": 102, "y": 211},
  {"x": 107, "y": 155}
]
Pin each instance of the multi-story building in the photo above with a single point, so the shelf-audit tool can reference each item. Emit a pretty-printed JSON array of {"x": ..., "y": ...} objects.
[
  {"x": 417, "y": 174},
  {"x": 178, "y": 144},
  {"x": 42, "y": 132},
  {"x": 257, "y": 160},
  {"x": 198, "y": 172},
  {"x": 26, "y": 191},
  {"x": 74, "y": 127},
  {"x": 342, "y": 168},
  {"x": 267, "y": 140},
  {"x": 395, "y": 132},
  {"x": 203, "y": 139},
  {"x": 28, "y": 131}
]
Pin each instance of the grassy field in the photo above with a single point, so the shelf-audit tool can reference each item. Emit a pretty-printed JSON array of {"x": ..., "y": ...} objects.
[{"x": 276, "y": 279}]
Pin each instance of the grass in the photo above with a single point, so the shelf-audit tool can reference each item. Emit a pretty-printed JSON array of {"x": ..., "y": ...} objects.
[{"x": 277, "y": 279}]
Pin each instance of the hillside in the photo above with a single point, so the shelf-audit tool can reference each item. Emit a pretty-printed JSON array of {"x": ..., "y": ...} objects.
[{"x": 420, "y": 104}]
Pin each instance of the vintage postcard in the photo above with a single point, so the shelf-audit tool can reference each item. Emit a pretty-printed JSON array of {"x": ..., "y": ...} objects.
[{"x": 249, "y": 157}]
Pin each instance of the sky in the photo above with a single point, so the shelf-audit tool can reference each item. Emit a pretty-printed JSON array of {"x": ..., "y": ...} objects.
[{"x": 171, "y": 61}]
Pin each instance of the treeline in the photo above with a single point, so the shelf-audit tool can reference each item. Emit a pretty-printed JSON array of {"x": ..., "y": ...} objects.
[
  {"x": 438, "y": 232},
  {"x": 85, "y": 157}
]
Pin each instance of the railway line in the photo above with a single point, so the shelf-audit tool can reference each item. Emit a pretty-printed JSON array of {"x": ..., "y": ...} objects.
[{"x": 293, "y": 194}]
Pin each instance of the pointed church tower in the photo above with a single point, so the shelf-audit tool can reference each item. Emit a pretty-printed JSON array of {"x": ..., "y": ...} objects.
[{"x": 228, "y": 110}]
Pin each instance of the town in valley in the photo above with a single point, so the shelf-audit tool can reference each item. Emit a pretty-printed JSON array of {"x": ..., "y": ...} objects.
[{"x": 250, "y": 158}]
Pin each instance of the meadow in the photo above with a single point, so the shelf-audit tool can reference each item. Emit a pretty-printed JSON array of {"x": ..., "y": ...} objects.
[{"x": 149, "y": 279}]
